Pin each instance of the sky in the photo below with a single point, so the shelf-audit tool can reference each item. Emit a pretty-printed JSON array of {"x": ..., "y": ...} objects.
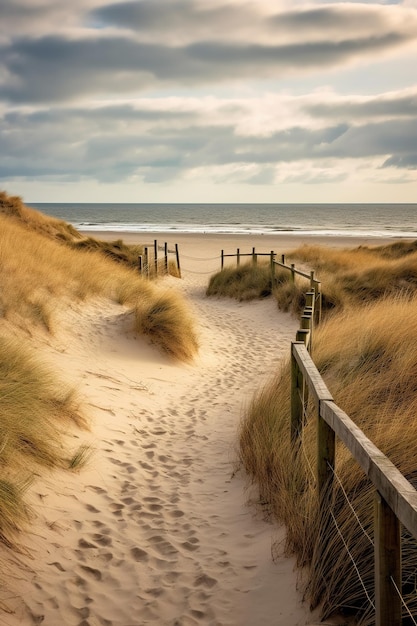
[{"x": 208, "y": 101}]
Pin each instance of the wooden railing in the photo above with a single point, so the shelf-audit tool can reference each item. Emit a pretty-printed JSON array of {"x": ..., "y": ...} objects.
[
  {"x": 395, "y": 497},
  {"x": 315, "y": 285}
]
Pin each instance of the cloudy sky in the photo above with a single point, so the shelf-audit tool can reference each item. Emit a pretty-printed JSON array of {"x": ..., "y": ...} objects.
[{"x": 208, "y": 100}]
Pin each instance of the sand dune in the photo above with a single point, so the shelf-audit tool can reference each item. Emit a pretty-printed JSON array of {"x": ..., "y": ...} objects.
[{"x": 157, "y": 529}]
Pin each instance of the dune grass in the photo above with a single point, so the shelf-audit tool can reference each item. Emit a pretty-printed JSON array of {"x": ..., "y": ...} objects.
[
  {"x": 245, "y": 282},
  {"x": 363, "y": 274},
  {"x": 349, "y": 277},
  {"x": 35, "y": 221},
  {"x": 37, "y": 272},
  {"x": 35, "y": 412},
  {"x": 44, "y": 266},
  {"x": 249, "y": 282},
  {"x": 367, "y": 356}
]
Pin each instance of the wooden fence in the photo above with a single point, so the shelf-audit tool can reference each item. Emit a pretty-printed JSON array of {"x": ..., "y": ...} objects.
[
  {"x": 151, "y": 263},
  {"x": 315, "y": 285},
  {"x": 395, "y": 500}
]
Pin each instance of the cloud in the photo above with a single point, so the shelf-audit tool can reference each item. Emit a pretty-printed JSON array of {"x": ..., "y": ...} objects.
[
  {"x": 117, "y": 92},
  {"x": 408, "y": 162},
  {"x": 354, "y": 108},
  {"x": 158, "y": 140},
  {"x": 52, "y": 69},
  {"x": 191, "y": 21},
  {"x": 184, "y": 44}
]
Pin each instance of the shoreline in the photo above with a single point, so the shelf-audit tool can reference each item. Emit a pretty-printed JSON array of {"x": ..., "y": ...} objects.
[{"x": 204, "y": 243}]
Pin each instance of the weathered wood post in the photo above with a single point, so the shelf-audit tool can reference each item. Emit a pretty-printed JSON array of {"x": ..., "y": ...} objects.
[
  {"x": 283, "y": 259},
  {"x": 166, "y": 257},
  {"x": 146, "y": 261},
  {"x": 304, "y": 334},
  {"x": 309, "y": 310},
  {"x": 140, "y": 264},
  {"x": 238, "y": 257},
  {"x": 222, "y": 259},
  {"x": 254, "y": 257},
  {"x": 319, "y": 299},
  {"x": 177, "y": 254},
  {"x": 305, "y": 324},
  {"x": 312, "y": 281},
  {"x": 387, "y": 544},
  {"x": 310, "y": 298},
  {"x": 296, "y": 402},
  {"x": 326, "y": 450},
  {"x": 292, "y": 272},
  {"x": 155, "y": 256},
  {"x": 272, "y": 262}
]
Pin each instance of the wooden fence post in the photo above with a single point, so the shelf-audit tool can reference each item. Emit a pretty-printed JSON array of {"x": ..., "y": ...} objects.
[
  {"x": 326, "y": 450},
  {"x": 155, "y": 256},
  {"x": 292, "y": 273},
  {"x": 319, "y": 299},
  {"x": 283, "y": 259},
  {"x": 177, "y": 254},
  {"x": 305, "y": 324},
  {"x": 238, "y": 257},
  {"x": 272, "y": 267},
  {"x": 222, "y": 260},
  {"x": 297, "y": 381},
  {"x": 146, "y": 261},
  {"x": 310, "y": 298},
  {"x": 166, "y": 257},
  {"x": 387, "y": 543},
  {"x": 140, "y": 264},
  {"x": 254, "y": 257},
  {"x": 312, "y": 281}
]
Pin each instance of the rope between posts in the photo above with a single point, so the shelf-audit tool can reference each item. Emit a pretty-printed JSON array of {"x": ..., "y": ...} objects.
[
  {"x": 194, "y": 258},
  {"x": 353, "y": 560},
  {"x": 196, "y": 272},
  {"x": 402, "y": 600},
  {"x": 350, "y": 506}
]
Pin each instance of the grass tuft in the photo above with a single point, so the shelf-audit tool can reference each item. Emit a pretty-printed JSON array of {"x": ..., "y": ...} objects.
[
  {"x": 80, "y": 458},
  {"x": 246, "y": 282},
  {"x": 167, "y": 322}
]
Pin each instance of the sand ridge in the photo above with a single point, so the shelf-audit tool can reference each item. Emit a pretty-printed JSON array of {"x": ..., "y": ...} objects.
[{"x": 157, "y": 530}]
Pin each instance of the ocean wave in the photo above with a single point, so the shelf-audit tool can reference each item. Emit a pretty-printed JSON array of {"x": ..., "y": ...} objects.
[{"x": 242, "y": 229}]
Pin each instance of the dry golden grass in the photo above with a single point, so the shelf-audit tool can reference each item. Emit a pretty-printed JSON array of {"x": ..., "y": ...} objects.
[
  {"x": 348, "y": 277},
  {"x": 38, "y": 277},
  {"x": 35, "y": 411},
  {"x": 246, "y": 282},
  {"x": 165, "y": 320},
  {"x": 37, "y": 273},
  {"x": 367, "y": 355},
  {"x": 15, "y": 209},
  {"x": 351, "y": 277}
]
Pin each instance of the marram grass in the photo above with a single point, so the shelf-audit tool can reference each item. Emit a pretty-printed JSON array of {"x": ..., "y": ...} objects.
[
  {"x": 368, "y": 358},
  {"x": 44, "y": 266},
  {"x": 349, "y": 277},
  {"x": 35, "y": 412},
  {"x": 38, "y": 273}
]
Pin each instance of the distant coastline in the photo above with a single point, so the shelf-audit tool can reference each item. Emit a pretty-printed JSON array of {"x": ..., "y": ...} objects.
[{"x": 373, "y": 221}]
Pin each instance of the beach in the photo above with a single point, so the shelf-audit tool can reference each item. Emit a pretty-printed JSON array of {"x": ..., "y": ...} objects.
[{"x": 161, "y": 527}]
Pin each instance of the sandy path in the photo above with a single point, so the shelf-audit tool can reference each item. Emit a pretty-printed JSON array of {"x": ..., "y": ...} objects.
[{"x": 156, "y": 530}]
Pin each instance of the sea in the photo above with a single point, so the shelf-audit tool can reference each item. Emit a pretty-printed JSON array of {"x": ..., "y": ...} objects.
[{"x": 370, "y": 220}]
